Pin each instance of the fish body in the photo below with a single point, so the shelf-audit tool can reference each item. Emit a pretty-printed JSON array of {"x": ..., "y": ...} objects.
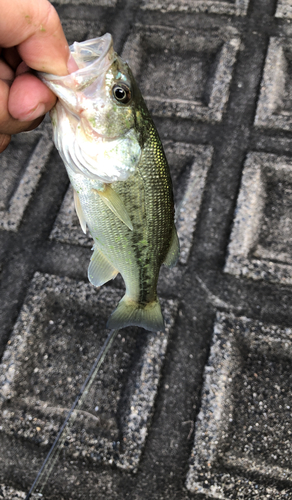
[{"x": 121, "y": 180}]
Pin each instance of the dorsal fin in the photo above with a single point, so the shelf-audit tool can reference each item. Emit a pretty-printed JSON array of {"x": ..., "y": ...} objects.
[{"x": 115, "y": 204}]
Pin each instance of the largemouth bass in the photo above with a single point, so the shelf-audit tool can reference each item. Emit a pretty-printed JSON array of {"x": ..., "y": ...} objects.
[{"x": 122, "y": 186}]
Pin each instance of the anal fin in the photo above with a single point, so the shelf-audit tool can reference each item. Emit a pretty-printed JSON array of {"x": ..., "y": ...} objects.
[
  {"x": 173, "y": 250},
  {"x": 79, "y": 211},
  {"x": 115, "y": 204},
  {"x": 100, "y": 270}
]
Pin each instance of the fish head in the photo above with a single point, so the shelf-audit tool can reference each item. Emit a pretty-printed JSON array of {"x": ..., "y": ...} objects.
[
  {"x": 95, "y": 118},
  {"x": 108, "y": 105}
]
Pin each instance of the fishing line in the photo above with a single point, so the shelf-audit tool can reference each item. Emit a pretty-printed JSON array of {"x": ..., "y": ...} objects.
[{"x": 54, "y": 452}]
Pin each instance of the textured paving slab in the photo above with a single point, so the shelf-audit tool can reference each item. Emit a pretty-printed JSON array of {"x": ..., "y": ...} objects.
[
  {"x": 101, "y": 3},
  {"x": 243, "y": 430},
  {"x": 67, "y": 226},
  {"x": 260, "y": 246},
  {"x": 55, "y": 340},
  {"x": 194, "y": 88},
  {"x": 274, "y": 107},
  {"x": 284, "y": 9},
  {"x": 22, "y": 166},
  {"x": 77, "y": 30},
  {"x": 237, "y": 7},
  {"x": 217, "y": 77},
  {"x": 10, "y": 493}
]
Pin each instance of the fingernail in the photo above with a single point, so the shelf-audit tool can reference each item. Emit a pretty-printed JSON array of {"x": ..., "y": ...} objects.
[
  {"x": 71, "y": 64},
  {"x": 34, "y": 113}
]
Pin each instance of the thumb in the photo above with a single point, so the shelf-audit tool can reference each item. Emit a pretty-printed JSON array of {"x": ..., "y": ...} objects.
[{"x": 35, "y": 28}]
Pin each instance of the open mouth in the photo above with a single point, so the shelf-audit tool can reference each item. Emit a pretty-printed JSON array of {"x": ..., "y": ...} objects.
[
  {"x": 91, "y": 51},
  {"x": 93, "y": 58}
]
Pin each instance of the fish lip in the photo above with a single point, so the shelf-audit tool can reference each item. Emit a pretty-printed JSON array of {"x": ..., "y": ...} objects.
[{"x": 99, "y": 50}]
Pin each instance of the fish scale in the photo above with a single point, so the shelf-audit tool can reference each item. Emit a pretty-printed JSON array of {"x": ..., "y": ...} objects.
[{"x": 117, "y": 166}]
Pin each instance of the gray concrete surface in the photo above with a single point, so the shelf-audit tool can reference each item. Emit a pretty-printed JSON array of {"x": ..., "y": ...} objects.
[{"x": 204, "y": 410}]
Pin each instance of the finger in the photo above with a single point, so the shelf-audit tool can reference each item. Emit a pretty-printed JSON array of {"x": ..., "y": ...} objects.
[
  {"x": 22, "y": 68},
  {"x": 8, "y": 124},
  {"x": 4, "y": 141},
  {"x": 29, "y": 98},
  {"x": 6, "y": 73},
  {"x": 37, "y": 32}
]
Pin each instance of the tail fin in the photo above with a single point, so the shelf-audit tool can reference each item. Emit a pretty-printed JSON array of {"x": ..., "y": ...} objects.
[{"x": 130, "y": 313}]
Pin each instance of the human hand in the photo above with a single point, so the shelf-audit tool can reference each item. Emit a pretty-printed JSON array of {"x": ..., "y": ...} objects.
[{"x": 31, "y": 36}]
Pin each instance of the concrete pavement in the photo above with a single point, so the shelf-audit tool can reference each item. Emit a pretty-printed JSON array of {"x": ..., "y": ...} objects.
[{"x": 204, "y": 409}]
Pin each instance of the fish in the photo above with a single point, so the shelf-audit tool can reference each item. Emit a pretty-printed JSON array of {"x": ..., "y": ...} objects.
[{"x": 120, "y": 176}]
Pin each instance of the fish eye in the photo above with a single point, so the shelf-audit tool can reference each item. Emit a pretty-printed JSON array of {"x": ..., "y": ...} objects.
[{"x": 122, "y": 93}]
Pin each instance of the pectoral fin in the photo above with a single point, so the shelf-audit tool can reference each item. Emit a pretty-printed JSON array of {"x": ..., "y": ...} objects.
[
  {"x": 115, "y": 204},
  {"x": 100, "y": 269},
  {"x": 173, "y": 251},
  {"x": 79, "y": 211}
]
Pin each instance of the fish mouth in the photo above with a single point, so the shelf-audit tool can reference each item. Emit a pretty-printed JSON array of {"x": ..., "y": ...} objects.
[
  {"x": 91, "y": 52},
  {"x": 93, "y": 58}
]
